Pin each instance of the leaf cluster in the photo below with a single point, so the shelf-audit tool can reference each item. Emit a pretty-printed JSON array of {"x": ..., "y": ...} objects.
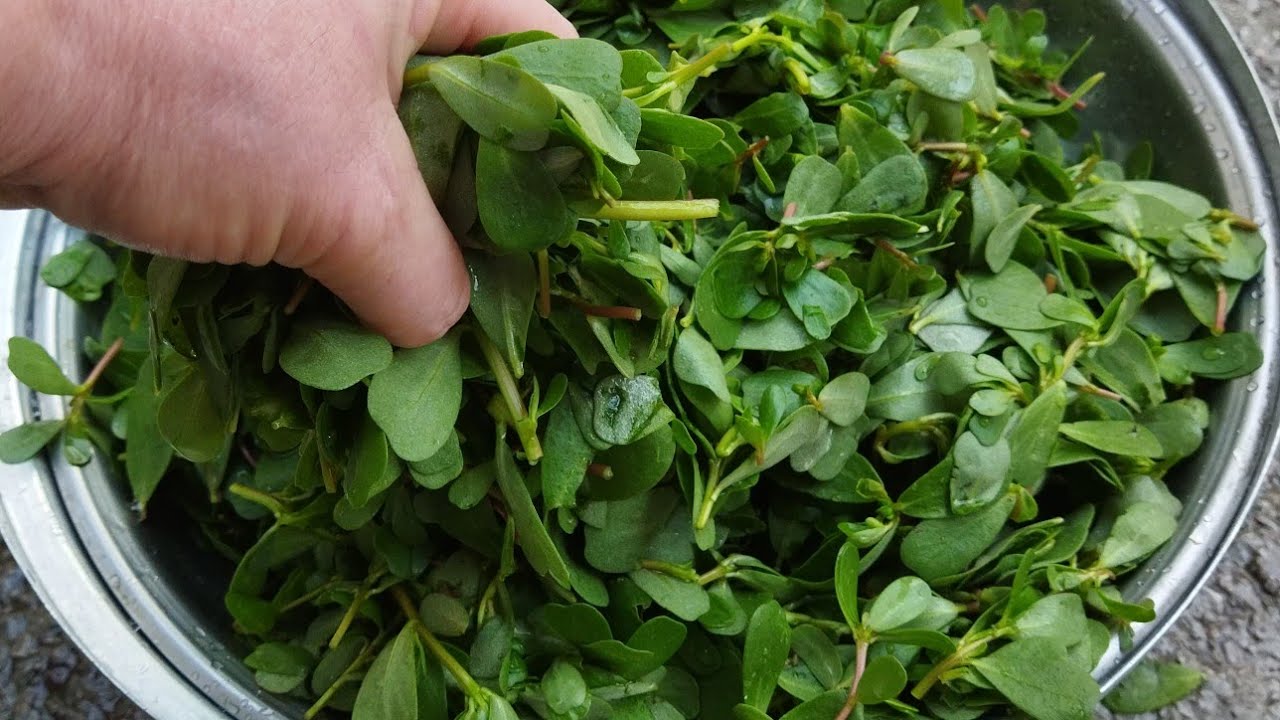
[{"x": 814, "y": 369}]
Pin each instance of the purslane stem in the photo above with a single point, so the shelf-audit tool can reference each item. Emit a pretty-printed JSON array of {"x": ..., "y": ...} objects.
[
  {"x": 468, "y": 684},
  {"x": 859, "y": 667},
  {"x": 526, "y": 426},
  {"x": 649, "y": 210}
]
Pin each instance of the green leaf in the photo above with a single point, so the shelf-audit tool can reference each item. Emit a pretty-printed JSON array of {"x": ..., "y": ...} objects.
[
  {"x": 188, "y": 417},
  {"x": 897, "y": 186},
  {"x": 684, "y": 599},
  {"x": 884, "y": 679},
  {"x": 503, "y": 103},
  {"x": 21, "y": 443},
  {"x": 81, "y": 271},
  {"x": 844, "y": 399},
  {"x": 444, "y": 615},
  {"x": 333, "y": 355},
  {"x": 539, "y": 219},
  {"x": 147, "y": 454},
  {"x": 280, "y": 667},
  {"x": 980, "y": 473},
  {"x": 1032, "y": 439},
  {"x": 813, "y": 188},
  {"x": 657, "y": 176},
  {"x": 898, "y": 604},
  {"x": 846, "y": 580},
  {"x": 992, "y": 202},
  {"x": 764, "y": 654},
  {"x": 818, "y": 653},
  {"x": 1010, "y": 299},
  {"x": 367, "y": 466},
  {"x": 943, "y": 72},
  {"x": 817, "y": 295},
  {"x": 502, "y": 295},
  {"x": 1137, "y": 533},
  {"x": 530, "y": 532},
  {"x": 566, "y": 457},
  {"x": 1224, "y": 357},
  {"x": 697, "y": 363},
  {"x": 588, "y": 66},
  {"x": 1059, "y": 617},
  {"x": 563, "y": 688},
  {"x": 433, "y": 131},
  {"x": 1119, "y": 437},
  {"x": 32, "y": 365},
  {"x": 390, "y": 688},
  {"x": 595, "y": 126},
  {"x": 415, "y": 399},
  {"x": 438, "y": 470},
  {"x": 1151, "y": 686},
  {"x": 1057, "y": 690},
  {"x": 938, "y": 548},
  {"x": 823, "y": 707},
  {"x": 634, "y": 468},
  {"x": 1004, "y": 236},
  {"x": 668, "y": 128},
  {"x": 627, "y": 409},
  {"x": 774, "y": 115}
]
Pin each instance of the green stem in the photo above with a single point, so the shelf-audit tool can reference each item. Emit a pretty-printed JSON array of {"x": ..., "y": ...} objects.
[
  {"x": 678, "y": 572},
  {"x": 960, "y": 657},
  {"x": 350, "y": 616},
  {"x": 839, "y": 628},
  {"x": 684, "y": 74},
  {"x": 460, "y": 675},
  {"x": 709, "y": 496},
  {"x": 526, "y": 426},
  {"x": 649, "y": 210},
  {"x": 365, "y": 656},
  {"x": 254, "y": 495},
  {"x": 417, "y": 75},
  {"x": 544, "y": 284}
]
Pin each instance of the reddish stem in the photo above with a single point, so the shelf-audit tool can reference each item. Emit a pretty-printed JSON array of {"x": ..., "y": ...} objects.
[
  {"x": 102, "y": 364},
  {"x": 1101, "y": 392},
  {"x": 600, "y": 470},
  {"x": 902, "y": 257},
  {"x": 859, "y": 666},
  {"x": 247, "y": 454},
  {"x": 753, "y": 150},
  {"x": 299, "y": 294},
  {"x": 978, "y": 12},
  {"x": 824, "y": 263},
  {"x": 789, "y": 211},
  {"x": 1220, "y": 318},
  {"x": 1062, "y": 94},
  {"x": 613, "y": 312},
  {"x": 1050, "y": 283}
]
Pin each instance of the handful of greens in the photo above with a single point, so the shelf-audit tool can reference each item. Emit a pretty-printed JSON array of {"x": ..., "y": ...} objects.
[{"x": 811, "y": 373}]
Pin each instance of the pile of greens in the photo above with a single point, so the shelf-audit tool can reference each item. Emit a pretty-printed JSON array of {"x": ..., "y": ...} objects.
[{"x": 815, "y": 369}]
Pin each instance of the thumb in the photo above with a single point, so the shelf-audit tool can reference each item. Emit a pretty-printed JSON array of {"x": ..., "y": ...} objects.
[
  {"x": 393, "y": 260},
  {"x": 444, "y": 26}
]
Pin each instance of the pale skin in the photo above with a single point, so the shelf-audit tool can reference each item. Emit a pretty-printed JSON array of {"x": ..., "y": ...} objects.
[{"x": 246, "y": 131}]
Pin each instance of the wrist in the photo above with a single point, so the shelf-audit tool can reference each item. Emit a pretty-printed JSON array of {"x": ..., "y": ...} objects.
[{"x": 59, "y": 80}]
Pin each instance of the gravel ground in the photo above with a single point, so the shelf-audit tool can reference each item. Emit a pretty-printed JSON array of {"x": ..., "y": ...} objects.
[{"x": 1229, "y": 633}]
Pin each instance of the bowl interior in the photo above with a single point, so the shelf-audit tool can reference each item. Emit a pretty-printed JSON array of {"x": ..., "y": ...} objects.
[{"x": 1162, "y": 85}]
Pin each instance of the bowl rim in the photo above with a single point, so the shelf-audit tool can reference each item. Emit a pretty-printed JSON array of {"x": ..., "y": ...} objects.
[{"x": 115, "y": 622}]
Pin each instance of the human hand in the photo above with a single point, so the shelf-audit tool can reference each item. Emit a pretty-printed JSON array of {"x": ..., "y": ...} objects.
[{"x": 246, "y": 131}]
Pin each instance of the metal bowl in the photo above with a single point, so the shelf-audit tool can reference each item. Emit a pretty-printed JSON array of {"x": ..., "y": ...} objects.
[{"x": 145, "y": 605}]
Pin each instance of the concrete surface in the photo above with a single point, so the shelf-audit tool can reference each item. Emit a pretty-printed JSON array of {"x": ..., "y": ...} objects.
[{"x": 1232, "y": 632}]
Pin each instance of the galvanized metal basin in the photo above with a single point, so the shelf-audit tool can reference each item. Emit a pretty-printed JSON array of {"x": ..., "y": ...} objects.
[{"x": 145, "y": 605}]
